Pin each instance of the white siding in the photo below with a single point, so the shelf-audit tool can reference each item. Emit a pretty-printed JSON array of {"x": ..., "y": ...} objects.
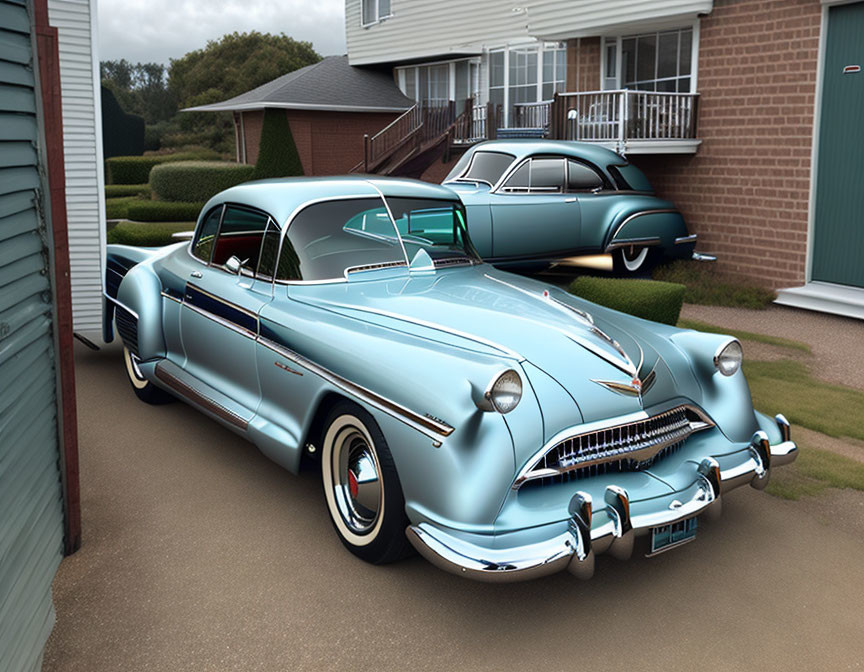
[
  {"x": 562, "y": 19},
  {"x": 82, "y": 146},
  {"x": 424, "y": 29}
]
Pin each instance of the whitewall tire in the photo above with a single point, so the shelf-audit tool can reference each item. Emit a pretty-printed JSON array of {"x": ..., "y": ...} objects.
[{"x": 143, "y": 388}]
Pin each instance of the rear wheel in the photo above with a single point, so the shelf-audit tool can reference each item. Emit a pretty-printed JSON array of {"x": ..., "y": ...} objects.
[
  {"x": 144, "y": 389},
  {"x": 633, "y": 260},
  {"x": 361, "y": 486}
]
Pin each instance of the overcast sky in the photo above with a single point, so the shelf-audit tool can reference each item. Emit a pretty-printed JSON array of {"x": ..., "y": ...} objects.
[{"x": 159, "y": 30}]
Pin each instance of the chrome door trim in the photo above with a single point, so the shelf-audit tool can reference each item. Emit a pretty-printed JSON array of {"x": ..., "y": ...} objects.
[
  {"x": 432, "y": 427},
  {"x": 629, "y": 218},
  {"x": 189, "y": 392},
  {"x": 632, "y": 242}
]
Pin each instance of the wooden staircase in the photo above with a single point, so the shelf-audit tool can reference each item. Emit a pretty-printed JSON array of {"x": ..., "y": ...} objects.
[{"x": 412, "y": 142}]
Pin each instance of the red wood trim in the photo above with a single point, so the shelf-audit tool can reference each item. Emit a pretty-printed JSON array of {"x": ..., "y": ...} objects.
[{"x": 48, "y": 56}]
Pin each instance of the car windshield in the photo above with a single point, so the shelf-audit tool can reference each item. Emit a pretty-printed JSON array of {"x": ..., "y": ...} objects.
[
  {"x": 485, "y": 167},
  {"x": 437, "y": 227},
  {"x": 630, "y": 178},
  {"x": 331, "y": 240}
]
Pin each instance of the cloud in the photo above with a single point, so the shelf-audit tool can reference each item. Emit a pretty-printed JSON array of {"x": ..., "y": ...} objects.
[{"x": 158, "y": 30}]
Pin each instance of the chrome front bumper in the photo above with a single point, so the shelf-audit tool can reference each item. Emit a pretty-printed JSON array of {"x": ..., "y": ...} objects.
[{"x": 610, "y": 526}]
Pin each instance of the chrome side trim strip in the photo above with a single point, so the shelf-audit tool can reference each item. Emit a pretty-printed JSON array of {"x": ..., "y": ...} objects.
[
  {"x": 173, "y": 298},
  {"x": 638, "y": 242},
  {"x": 630, "y": 218},
  {"x": 431, "y": 427},
  {"x": 686, "y": 239},
  {"x": 195, "y": 396},
  {"x": 223, "y": 322},
  {"x": 221, "y": 300},
  {"x": 121, "y": 304}
]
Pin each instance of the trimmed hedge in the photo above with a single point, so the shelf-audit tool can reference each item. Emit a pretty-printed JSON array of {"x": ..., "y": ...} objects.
[
  {"x": 163, "y": 211},
  {"x": 147, "y": 234},
  {"x": 648, "y": 299},
  {"x": 118, "y": 208},
  {"x": 277, "y": 153},
  {"x": 136, "y": 169},
  {"x": 196, "y": 180},
  {"x": 118, "y": 190}
]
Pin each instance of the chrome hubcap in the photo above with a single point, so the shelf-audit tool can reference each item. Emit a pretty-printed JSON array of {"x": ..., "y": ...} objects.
[{"x": 356, "y": 481}]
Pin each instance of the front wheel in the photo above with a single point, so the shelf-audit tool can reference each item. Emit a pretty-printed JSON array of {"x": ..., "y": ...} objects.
[
  {"x": 632, "y": 260},
  {"x": 361, "y": 486},
  {"x": 143, "y": 388}
]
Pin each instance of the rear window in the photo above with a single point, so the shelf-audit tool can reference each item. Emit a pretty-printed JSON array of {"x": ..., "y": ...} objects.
[
  {"x": 488, "y": 166},
  {"x": 629, "y": 177}
]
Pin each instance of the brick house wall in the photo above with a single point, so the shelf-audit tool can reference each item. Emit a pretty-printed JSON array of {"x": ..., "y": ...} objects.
[
  {"x": 746, "y": 191},
  {"x": 329, "y": 143}
]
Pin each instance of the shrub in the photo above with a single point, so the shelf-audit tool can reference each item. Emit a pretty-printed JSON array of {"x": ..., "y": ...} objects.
[
  {"x": 163, "y": 211},
  {"x": 147, "y": 234},
  {"x": 122, "y": 133},
  {"x": 136, "y": 169},
  {"x": 196, "y": 180},
  {"x": 118, "y": 208},
  {"x": 277, "y": 153},
  {"x": 649, "y": 299},
  {"x": 118, "y": 190},
  {"x": 709, "y": 286}
]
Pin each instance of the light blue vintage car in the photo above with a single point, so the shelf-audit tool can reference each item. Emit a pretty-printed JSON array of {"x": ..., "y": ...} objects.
[
  {"x": 503, "y": 427},
  {"x": 534, "y": 202}
]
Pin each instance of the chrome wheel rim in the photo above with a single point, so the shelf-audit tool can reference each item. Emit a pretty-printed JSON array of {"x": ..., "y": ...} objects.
[{"x": 356, "y": 481}]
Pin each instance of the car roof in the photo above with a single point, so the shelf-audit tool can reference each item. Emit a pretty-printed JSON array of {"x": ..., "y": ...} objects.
[
  {"x": 281, "y": 197},
  {"x": 521, "y": 148}
]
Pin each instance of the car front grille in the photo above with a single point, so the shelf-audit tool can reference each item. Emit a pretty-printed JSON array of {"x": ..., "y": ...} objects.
[
  {"x": 127, "y": 327},
  {"x": 616, "y": 448}
]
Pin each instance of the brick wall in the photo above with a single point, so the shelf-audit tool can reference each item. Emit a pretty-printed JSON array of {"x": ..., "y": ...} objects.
[
  {"x": 746, "y": 192},
  {"x": 583, "y": 64},
  {"x": 329, "y": 143}
]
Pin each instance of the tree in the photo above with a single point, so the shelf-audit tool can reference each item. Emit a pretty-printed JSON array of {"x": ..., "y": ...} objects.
[
  {"x": 235, "y": 64},
  {"x": 140, "y": 88},
  {"x": 277, "y": 153}
]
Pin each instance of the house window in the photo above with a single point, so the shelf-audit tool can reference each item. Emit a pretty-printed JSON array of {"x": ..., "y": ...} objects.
[
  {"x": 660, "y": 61},
  {"x": 526, "y": 74},
  {"x": 372, "y": 11},
  {"x": 439, "y": 83}
]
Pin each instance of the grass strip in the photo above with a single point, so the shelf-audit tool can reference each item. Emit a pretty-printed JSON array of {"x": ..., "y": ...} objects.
[{"x": 745, "y": 335}]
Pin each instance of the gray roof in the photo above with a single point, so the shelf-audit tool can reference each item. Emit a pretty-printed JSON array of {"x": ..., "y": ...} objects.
[{"x": 331, "y": 84}]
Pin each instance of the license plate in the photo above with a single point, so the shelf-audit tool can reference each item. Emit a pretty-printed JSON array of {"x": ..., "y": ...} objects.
[{"x": 668, "y": 536}]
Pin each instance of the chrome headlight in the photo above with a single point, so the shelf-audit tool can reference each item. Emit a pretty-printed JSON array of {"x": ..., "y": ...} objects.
[
  {"x": 503, "y": 393},
  {"x": 728, "y": 358}
]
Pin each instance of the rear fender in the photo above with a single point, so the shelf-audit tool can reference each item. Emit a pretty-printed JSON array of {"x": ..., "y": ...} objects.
[{"x": 657, "y": 226}]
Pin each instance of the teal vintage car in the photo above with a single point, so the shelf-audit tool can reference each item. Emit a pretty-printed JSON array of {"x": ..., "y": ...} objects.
[
  {"x": 534, "y": 202},
  {"x": 500, "y": 426}
]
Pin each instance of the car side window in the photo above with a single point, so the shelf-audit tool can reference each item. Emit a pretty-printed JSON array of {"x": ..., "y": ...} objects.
[
  {"x": 582, "y": 178},
  {"x": 544, "y": 176},
  {"x": 269, "y": 251},
  {"x": 240, "y": 235},
  {"x": 202, "y": 246}
]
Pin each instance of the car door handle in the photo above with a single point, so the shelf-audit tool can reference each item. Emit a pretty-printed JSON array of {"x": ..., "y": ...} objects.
[
  {"x": 570, "y": 200},
  {"x": 196, "y": 274}
]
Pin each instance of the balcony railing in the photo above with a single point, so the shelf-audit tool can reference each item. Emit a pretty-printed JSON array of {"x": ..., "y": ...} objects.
[
  {"x": 532, "y": 115},
  {"x": 624, "y": 116}
]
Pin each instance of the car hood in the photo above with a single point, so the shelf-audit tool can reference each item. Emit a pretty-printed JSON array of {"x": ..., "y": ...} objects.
[{"x": 587, "y": 350}]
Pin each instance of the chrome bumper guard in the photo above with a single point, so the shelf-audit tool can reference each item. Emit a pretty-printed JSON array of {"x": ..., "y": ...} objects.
[{"x": 586, "y": 537}]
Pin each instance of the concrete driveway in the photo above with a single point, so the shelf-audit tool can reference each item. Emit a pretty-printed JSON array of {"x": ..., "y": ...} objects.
[{"x": 200, "y": 554}]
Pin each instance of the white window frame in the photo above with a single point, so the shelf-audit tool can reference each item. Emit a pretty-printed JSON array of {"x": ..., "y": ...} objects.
[
  {"x": 618, "y": 40},
  {"x": 474, "y": 65},
  {"x": 378, "y": 16},
  {"x": 541, "y": 48}
]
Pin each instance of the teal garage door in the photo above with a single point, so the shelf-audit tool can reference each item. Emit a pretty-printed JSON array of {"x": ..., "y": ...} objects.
[
  {"x": 838, "y": 232},
  {"x": 31, "y": 505}
]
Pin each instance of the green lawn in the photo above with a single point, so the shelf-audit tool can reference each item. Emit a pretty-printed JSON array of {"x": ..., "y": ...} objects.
[
  {"x": 814, "y": 471},
  {"x": 745, "y": 335},
  {"x": 787, "y": 387},
  {"x": 707, "y": 286}
]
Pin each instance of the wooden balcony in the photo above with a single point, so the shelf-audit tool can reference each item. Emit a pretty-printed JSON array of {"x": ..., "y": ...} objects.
[{"x": 630, "y": 122}]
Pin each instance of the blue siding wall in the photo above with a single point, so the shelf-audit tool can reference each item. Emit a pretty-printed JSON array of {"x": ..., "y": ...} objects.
[{"x": 31, "y": 509}]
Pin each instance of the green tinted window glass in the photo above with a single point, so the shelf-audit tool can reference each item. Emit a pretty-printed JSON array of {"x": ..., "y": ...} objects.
[{"x": 203, "y": 245}]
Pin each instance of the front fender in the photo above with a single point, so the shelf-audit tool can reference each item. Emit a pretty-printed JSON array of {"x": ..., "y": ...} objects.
[{"x": 140, "y": 294}]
